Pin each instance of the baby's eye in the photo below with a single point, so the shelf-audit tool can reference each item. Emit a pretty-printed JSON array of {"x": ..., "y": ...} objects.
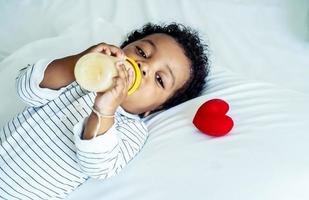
[
  {"x": 159, "y": 80},
  {"x": 141, "y": 52}
]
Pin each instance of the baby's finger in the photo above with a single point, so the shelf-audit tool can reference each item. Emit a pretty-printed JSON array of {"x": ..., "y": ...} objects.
[
  {"x": 97, "y": 48},
  {"x": 131, "y": 77},
  {"x": 120, "y": 86},
  {"x": 124, "y": 75},
  {"x": 122, "y": 72},
  {"x": 117, "y": 52},
  {"x": 106, "y": 50},
  {"x": 102, "y": 48}
]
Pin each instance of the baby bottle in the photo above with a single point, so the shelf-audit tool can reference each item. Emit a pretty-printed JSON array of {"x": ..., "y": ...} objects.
[{"x": 95, "y": 72}]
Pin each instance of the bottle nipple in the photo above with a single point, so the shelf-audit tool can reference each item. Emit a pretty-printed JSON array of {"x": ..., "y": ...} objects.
[{"x": 95, "y": 71}]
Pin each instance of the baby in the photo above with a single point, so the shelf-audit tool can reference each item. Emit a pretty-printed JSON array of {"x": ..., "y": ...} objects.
[{"x": 56, "y": 143}]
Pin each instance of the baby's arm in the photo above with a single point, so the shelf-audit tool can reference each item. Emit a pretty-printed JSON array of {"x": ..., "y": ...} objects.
[
  {"x": 27, "y": 85},
  {"x": 60, "y": 72},
  {"x": 107, "y": 154},
  {"x": 107, "y": 102},
  {"x": 44, "y": 81},
  {"x": 107, "y": 145}
]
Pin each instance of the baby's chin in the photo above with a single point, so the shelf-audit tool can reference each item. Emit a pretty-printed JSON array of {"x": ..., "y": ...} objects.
[{"x": 129, "y": 105}]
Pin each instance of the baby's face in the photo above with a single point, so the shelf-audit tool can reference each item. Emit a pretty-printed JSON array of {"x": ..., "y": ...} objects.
[{"x": 164, "y": 68}]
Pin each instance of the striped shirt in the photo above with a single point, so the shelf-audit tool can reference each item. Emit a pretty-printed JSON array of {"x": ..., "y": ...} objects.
[{"x": 42, "y": 155}]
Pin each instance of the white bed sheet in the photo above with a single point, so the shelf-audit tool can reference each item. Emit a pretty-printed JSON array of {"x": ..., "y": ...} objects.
[
  {"x": 264, "y": 79},
  {"x": 264, "y": 157}
]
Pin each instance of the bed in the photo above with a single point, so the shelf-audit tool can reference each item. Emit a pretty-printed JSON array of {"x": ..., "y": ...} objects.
[{"x": 260, "y": 66}]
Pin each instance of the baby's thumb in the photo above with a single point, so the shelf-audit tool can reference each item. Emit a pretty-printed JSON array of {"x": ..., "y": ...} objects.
[{"x": 102, "y": 48}]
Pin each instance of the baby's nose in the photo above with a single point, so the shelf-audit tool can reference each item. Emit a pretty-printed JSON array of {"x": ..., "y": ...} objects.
[{"x": 142, "y": 68}]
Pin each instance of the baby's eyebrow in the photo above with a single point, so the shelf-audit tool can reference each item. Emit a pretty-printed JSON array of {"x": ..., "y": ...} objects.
[{"x": 150, "y": 42}]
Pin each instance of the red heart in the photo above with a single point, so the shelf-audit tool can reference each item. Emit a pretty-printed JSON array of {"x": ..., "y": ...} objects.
[{"x": 211, "y": 118}]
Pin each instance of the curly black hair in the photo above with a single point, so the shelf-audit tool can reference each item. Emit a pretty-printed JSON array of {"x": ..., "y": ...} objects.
[{"x": 195, "y": 50}]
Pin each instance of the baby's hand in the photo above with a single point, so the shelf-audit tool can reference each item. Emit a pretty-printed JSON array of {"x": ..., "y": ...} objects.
[
  {"x": 107, "y": 49},
  {"x": 108, "y": 101}
]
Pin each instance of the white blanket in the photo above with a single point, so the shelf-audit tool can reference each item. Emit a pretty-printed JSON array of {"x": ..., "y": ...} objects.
[{"x": 264, "y": 79}]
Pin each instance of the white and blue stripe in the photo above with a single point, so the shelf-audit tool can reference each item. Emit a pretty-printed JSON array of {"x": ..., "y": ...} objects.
[{"x": 42, "y": 155}]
